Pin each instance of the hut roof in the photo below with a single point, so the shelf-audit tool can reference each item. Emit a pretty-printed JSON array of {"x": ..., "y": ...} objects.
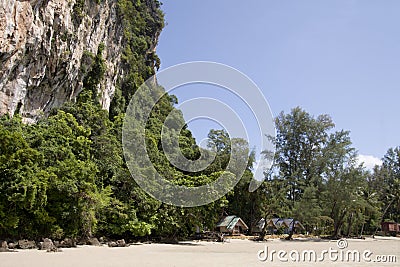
[
  {"x": 278, "y": 223},
  {"x": 230, "y": 221},
  {"x": 290, "y": 223}
]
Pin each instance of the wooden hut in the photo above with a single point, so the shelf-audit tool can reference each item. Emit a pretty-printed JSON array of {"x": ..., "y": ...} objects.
[
  {"x": 275, "y": 224},
  {"x": 289, "y": 224},
  {"x": 232, "y": 225},
  {"x": 272, "y": 225},
  {"x": 390, "y": 228}
]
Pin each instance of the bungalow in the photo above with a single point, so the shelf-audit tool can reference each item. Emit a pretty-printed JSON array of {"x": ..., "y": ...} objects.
[
  {"x": 298, "y": 227},
  {"x": 390, "y": 228},
  {"x": 232, "y": 225},
  {"x": 275, "y": 224},
  {"x": 272, "y": 225}
]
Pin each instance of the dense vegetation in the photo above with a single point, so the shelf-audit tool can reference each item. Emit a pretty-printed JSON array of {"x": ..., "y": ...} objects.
[
  {"x": 317, "y": 179},
  {"x": 65, "y": 176}
]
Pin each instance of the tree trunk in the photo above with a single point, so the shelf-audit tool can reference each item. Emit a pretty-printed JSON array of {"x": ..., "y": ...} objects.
[
  {"x": 350, "y": 221},
  {"x": 362, "y": 229},
  {"x": 338, "y": 225},
  {"x": 290, "y": 237},
  {"x": 264, "y": 230}
]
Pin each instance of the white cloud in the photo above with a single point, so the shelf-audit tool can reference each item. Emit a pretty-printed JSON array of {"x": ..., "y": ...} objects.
[{"x": 369, "y": 161}]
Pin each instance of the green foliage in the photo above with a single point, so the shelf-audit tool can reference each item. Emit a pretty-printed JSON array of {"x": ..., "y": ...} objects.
[
  {"x": 66, "y": 176},
  {"x": 384, "y": 186},
  {"x": 78, "y": 10},
  {"x": 317, "y": 180},
  {"x": 142, "y": 23},
  {"x": 96, "y": 73},
  {"x": 48, "y": 179}
]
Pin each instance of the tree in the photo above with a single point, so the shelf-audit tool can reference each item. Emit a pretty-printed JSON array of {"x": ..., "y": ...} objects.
[
  {"x": 317, "y": 172},
  {"x": 299, "y": 147},
  {"x": 386, "y": 182},
  {"x": 23, "y": 184}
]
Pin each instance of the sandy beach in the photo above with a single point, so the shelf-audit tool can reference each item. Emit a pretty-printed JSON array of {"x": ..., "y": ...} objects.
[{"x": 231, "y": 253}]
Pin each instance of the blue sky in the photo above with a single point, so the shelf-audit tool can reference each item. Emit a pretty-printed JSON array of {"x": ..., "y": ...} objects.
[{"x": 336, "y": 57}]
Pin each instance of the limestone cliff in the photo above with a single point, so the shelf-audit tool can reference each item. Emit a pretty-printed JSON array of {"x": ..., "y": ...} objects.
[{"x": 46, "y": 48}]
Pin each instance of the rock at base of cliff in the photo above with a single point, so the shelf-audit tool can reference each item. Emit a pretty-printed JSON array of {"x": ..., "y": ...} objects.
[
  {"x": 119, "y": 243},
  {"x": 3, "y": 246},
  {"x": 66, "y": 243},
  {"x": 26, "y": 244},
  {"x": 11, "y": 245},
  {"x": 48, "y": 245},
  {"x": 93, "y": 241}
]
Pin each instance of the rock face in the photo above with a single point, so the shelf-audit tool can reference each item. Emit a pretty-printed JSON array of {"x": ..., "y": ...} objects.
[{"x": 43, "y": 52}]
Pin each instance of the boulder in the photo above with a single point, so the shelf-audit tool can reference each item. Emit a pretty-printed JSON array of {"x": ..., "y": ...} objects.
[
  {"x": 48, "y": 245},
  {"x": 54, "y": 249},
  {"x": 112, "y": 244},
  {"x": 26, "y": 244},
  {"x": 3, "y": 246},
  {"x": 121, "y": 243},
  {"x": 93, "y": 241},
  {"x": 11, "y": 245},
  {"x": 67, "y": 243}
]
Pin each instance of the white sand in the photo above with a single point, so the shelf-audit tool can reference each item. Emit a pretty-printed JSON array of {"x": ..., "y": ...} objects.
[{"x": 207, "y": 254}]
